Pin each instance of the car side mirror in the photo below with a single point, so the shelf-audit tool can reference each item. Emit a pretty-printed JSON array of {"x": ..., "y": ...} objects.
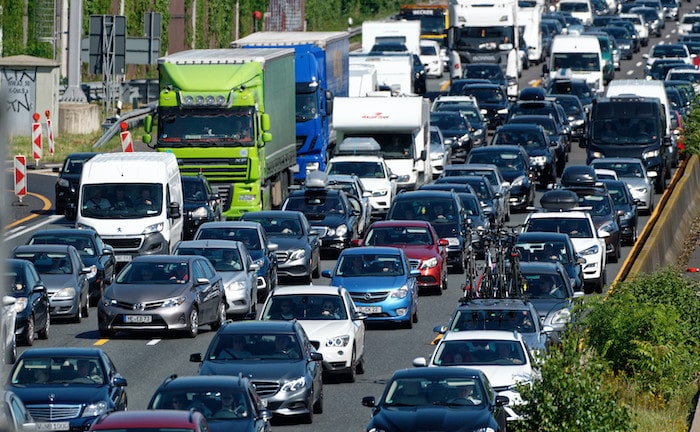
[
  {"x": 108, "y": 251},
  {"x": 326, "y": 273},
  {"x": 254, "y": 267},
  {"x": 119, "y": 381},
  {"x": 38, "y": 288},
  {"x": 440, "y": 329},
  {"x": 393, "y": 177},
  {"x": 273, "y": 247},
  {"x": 202, "y": 281},
  {"x": 196, "y": 357},
  {"x": 420, "y": 362},
  {"x": 369, "y": 401},
  {"x": 316, "y": 356},
  {"x": 502, "y": 400},
  {"x": 266, "y": 414},
  {"x": 360, "y": 316}
]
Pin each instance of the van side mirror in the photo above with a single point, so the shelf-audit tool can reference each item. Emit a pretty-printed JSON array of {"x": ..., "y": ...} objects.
[
  {"x": 545, "y": 68},
  {"x": 174, "y": 210}
]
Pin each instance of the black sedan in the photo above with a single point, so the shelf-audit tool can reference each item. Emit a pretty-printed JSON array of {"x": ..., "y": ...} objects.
[
  {"x": 285, "y": 368},
  {"x": 558, "y": 137},
  {"x": 67, "y": 186},
  {"x": 455, "y": 128},
  {"x": 32, "y": 305},
  {"x": 626, "y": 208},
  {"x": 552, "y": 247},
  {"x": 437, "y": 399},
  {"x": 533, "y": 138},
  {"x": 200, "y": 204},
  {"x": 67, "y": 389},
  {"x": 492, "y": 100},
  {"x": 298, "y": 245},
  {"x": 228, "y": 402},
  {"x": 95, "y": 253}
]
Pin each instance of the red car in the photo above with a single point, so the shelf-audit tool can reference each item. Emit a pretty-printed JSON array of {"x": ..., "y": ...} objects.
[
  {"x": 151, "y": 421},
  {"x": 425, "y": 250}
]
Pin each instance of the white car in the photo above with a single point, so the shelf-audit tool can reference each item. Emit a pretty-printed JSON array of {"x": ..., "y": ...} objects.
[
  {"x": 501, "y": 355},
  {"x": 330, "y": 319},
  {"x": 685, "y": 25},
  {"x": 588, "y": 242},
  {"x": 232, "y": 261},
  {"x": 638, "y": 179},
  {"x": 374, "y": 174},
  {"x": 431, "y": 58},
  {"x": 439, "y": 152},
  {"x": 639, "y": 25},
  {"x": 454, "y": 103},
  {"x": 668, "y": 51}
]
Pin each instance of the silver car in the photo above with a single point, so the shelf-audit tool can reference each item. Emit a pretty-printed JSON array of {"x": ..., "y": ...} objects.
[
  {"x": 632, "y": 172},
  {"x": 7, "y": 329},
  {"x": 233, "y": 262},
  {"x": 163, "y": 292}
]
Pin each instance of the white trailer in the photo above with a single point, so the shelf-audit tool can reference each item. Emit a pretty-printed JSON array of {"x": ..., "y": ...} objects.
[
  {"x": 529, "y": 19},
  {"x": 393, "y": 70},
  {"x": 401, "y": 126},
  {"x": 404, "y": 32},
  {"x": 363, "y": 80}
]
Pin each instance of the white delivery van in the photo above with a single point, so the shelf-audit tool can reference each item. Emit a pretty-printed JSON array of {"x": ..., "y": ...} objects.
[
  {"x": 580, "y": 9},
  {"x": 643, "y": 88},
  {"x": 134, "y": 201},
  {"x": 581, "y": 56}
]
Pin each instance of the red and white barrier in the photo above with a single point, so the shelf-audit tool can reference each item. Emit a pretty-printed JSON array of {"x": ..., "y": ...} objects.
[
  {"x": 49, "y": 131},
  {"x": 125, "y": 135},
  {"x": 20, "y": 176},
  {"x": 36, "y": 138}
]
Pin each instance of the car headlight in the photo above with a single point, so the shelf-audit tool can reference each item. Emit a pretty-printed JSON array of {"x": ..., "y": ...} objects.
[
  {"x": 260, "y": 262},
  {"x": 436, "y": 156},
  {"x": 63, "y": 183},
  {"x": 519, "y": 181},
  {"x": 642, "y": 190},
  {"x": 561, "y": 317},
  {"x": 380, "y": 193},
  {"x": 96, "y": 409},
  {"x": 20, "y": 304},
  {"x": 597, "y": 155},
  {"x": 627, "y": 215},
  {"x": 64, "y": 293},
  {"x": 400, "y": 293},
  {"x": 650, "y": 154},
  {"x": 235, "y": 286},
  {"x": 591, "y": 250},
  {"x": 297, "y": 254},
  {"x": 538, "y": 160},
  {"x": 153, "y": 228},
  {"x": 403, "y": 178},
  {"x": 429, "y": 263},
  {"x": 199, "y": 213},
  {"x": 502, "y": 111},
  {"x": 83, "y": 226},
  {"x": 448, "y": 141},
  {"x": 338, "y": 341},
  {"x": 106, "y": 301},
  {"x": 608, "y": 226},
  {"x": 485, "y": 429},
  {"x": 93, "y": 272},
  {"x": 294, "y": 385},
  {"x": 341, "y": 230},
  {"x": 175, "y": 301}
]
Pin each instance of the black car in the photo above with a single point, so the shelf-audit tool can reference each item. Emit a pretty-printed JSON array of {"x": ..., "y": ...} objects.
[
  {"x": 457, "y": 84},
  {"x": 492, "y": 100},
  {"x": 514, "y": 163},
  {"x": 200, "y": 204},
  {"x": 485, "y": 191},
  {"x": 95, "y": 253},
  {"x": 623, "y": 38},
  {"x": 298, "y": 246},
  {"x": 329, "y": 212},
  {"x": 573, "y": 86},
  {"x": 489, "y": 71},
  {"x": 67, "y": 389},
  {"x": 455, "y": 128},
  {"x": 533, "y": 138},
  {"x": 228, "y": 402},
  {"x": 285, "y": 368},
  {"x": 420, "y": 77},
  {"x": 577, "y": 116},
  {"x": 67, "y": 186},
  {"x": 578, "y": 175},
  {"x": 32, "y": 305},
  {"x": 550, "y": 246},
  {"x": 426, "y": 205},
  {"x": 441, "y": 399},
  {"x": 554, "y": 132},
  {"x": 546, "y": 107},
  {"x": 626, "y": 208},
  {"x": 660, "y": 67}
]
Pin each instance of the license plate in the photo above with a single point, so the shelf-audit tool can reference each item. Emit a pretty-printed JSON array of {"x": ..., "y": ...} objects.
[
  {"x": 137, "y": 319},
  {"x": 122, "y": 258},
  {"x": 53, "y": 426},
  {"x": 370, "y": 309}
]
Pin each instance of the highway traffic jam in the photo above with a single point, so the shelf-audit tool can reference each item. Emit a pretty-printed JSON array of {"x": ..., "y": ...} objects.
[{"x": 389, "y": 239}]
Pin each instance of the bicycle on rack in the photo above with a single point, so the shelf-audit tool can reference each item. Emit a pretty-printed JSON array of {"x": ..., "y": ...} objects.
[
  {"x": 470, "y": 266},
  {"x": 501, "y": 276}
]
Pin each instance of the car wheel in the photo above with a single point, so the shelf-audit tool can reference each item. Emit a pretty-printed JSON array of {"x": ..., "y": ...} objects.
[
  {"x": 350, "y": 377},
  {"x": 459, "y": 267},
  {"x": 318, "y": 406},
  {"x": 220, "y": 317},
  {"x": 360, "y": 367},
  {"x": 414, "y": 318},
  {"x": 79, "y": 315},
  {"x": 193, "y": 323},
  {"x": 86, "y": 307},
  {"x": 44, "y": 333},
  {"x": 317, "y": 270},
  {"x": 11, "y": 352},
  {"x": 408, "y": 324},
  {"x": 29, "y": 335}
]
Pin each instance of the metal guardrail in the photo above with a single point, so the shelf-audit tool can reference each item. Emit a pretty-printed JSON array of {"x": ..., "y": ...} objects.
[{"x": 132, "y": 118}]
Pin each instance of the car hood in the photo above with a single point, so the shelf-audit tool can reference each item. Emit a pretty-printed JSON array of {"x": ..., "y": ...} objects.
[
  {"x": 545, "y": 306},
  {"x": 320, "y": 330},
  {"x": 368, "y": 283},
  {"x": 502, "y": 376},
  {"x": 510, "y": 175},
  {"x": 55, "y": 282},
  {"x": 63, "y": 394},
  {"x": 635, "y": 182},
  {"x": 188, "y": 205},
  {"x": 453, "y": 133},
  {"x": 142, "y": 293},
  {"x": 325, "y": 219},
  {"x": 285, "y": 243},
  {"x": 375, "y": 184},
  {"x": 267, "y": 370},
  {"x": 581, "y": 244},
  {"x": 431, "y": 418},
  {"x": 226, "y": 425},
  {"x": 227, "y": 277},
  {"x": 417, "y": 251}
]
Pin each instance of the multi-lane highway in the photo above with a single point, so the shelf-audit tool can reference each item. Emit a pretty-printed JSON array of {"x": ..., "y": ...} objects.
[{"x": 145, "y": 360}]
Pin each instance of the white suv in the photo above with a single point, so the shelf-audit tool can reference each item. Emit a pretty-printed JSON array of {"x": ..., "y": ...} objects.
[
  {"x": 374, "y": 174},
  {"x": 588, "y": 242}
]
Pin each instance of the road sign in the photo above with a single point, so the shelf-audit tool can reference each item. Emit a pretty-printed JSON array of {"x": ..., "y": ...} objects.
[{"x": 20, "y": 176}]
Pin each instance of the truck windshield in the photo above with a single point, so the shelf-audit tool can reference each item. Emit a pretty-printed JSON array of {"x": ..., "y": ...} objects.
[
  {"x": 625, "y": 131},
  {"x": 482, "y": 38},
  {"x": 307, "y": 106},
  {"x": 121, "y": 200},
  {"x": 589, "y": 62},
  {"x": 205, "y": 128}
]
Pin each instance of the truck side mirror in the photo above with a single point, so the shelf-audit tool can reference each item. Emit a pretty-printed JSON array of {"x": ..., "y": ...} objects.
[
  {"x": 266, "y": 137},
  {"x": 265, "y": 120},
  {"x": 329, "y": 102},
  {"x": 174, "y": 210},
  {"x": 423, "y": 155}
]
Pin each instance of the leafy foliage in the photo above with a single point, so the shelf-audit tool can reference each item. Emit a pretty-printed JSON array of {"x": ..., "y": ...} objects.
[{"x": 691, "y": 131}]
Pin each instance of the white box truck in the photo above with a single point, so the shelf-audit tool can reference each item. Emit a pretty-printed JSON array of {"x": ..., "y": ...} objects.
[
  {"x": 401, "y": 126},
  {"x": 391, "y": 32},
  {"x": 134, "y": 201}
]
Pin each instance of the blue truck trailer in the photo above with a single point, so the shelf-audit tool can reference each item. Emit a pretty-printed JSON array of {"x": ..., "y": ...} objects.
[{"x": 321, "y": 73}]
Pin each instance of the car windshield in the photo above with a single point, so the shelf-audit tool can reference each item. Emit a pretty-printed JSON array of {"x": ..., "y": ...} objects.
[
  {"x": 370, "y": 264},
  {"x": 48, "y": 262},
  {"x": 599, "y": 204},
  {"x": 504, "y": 161},
  {"x": 254, "y": 347},
  {"x": 247, "y": 236},
  {"x": 455, "y": 122},
  {"x": 479, "y": 352},
  {"x": 37, "y": 371},
  {"x": 361, "y": 169},
  {"x": 398, "y": 236},
  {"x": 305, "y": 307},
  {"x": 82, "y": 243},
  {"x": 545, "y": 286},
  {"x": 315, "y": 206},
  {"x": 574, "y": 227},
  {"x": 279, "y": 226},
  {"x": 193, "y": 190},
  {"x": 224, "y": 259},
  {"x": 623, "y": 169},
  {"x": 543, "y": 251},
  {"x": 496, "y": 319},
  {"x": 154, "y": 273},
  {"x": 618, "y": 194},
  {"x": 410, "y": 392},
  {"x": 526, "y": 139},
  {"x": 217, "y": 403},
  {"x": 625, "y": 131}
]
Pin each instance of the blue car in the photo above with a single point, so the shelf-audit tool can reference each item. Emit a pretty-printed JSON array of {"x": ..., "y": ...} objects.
[{"x": 380, "y": 282}]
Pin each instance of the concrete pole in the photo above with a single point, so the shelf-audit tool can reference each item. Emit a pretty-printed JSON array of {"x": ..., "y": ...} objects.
[
  {"x": 74, "y": 92},
  {"x": 194, "y": 24},
  {"x": 64, "y": 38}
]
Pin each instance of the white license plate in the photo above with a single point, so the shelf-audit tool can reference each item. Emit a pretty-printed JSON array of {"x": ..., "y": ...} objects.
[
  {"x": 122, "y": 258},
  {"x": 370, "y": 309},
  {"x": 54, "y": 426},
  {"x": 137, "y": 319}
]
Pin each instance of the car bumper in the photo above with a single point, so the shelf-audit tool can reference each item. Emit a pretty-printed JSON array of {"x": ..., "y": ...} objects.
[
  {"x": 289, "y": 403},
  {"x": 64, "y": 307},
  {"x": 115, "y": 318},
  {"x": 592, "y": 267},
  {"x": 336, "y": 359},
  {"x": 389, "y": 310},
  {"x": 238, "y": 301}
]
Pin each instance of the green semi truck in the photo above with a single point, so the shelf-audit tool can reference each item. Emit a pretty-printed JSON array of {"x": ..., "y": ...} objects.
[{"x": 230, "y": 115}]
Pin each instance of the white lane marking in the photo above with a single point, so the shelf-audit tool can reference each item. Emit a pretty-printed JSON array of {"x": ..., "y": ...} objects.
[
  {"x": 638, "y": 64},
  {"x": 153, "y": 342},
  {"x": 629, "y": 72},
  {"x": 50, "y": 219}
]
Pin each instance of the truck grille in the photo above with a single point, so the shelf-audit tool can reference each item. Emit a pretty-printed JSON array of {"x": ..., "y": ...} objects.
[
  {"x": 266, "y": 388},
  {"x": 54, "y": 412},
  {"x": 217, "y": 169},
  {"x": 123, "y": 242}
]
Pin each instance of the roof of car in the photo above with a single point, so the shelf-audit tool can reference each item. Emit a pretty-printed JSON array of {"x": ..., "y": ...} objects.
[
  {"x": 542, "y": 267},
  {"x": 501, "y": 148},
  {"x": 62, "y": 352},
  {"x": 615, "y": 159},
  {"x": 519, "y": 126},
  {"x": 361, "y": 158},
  {"x": 559, "y": 215},
  {"x": 483, "y": 334},
  {"x": 273, "y": 213},
  {"x": 231, "y": 224},
  {"x": 423, "y": 194},
  {"x": 254, "y": 326},
  {"x": 204, "y": 381},
  {"x": 437, "y": 372},
  {"x": 165, "y": 258},
  {"x": 542, "y": 236},
  {"x": 305, "y": 289},
  {"x": 211, "y": 243},
  {"x": 403, "y": 223},
  {"x": 364, "y": 250},
  {"x": 505, "y": 303},
  {"x": 43, "y": 248},
  {"x": 470, "y": 166},
  {"x": 66, "y": 231}
]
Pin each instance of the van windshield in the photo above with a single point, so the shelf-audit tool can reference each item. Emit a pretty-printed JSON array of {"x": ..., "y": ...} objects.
[
  {"x": 121, "y": 201},
  {"x": 576, "y": 61},
  {"x": 625, "y": 131}
]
